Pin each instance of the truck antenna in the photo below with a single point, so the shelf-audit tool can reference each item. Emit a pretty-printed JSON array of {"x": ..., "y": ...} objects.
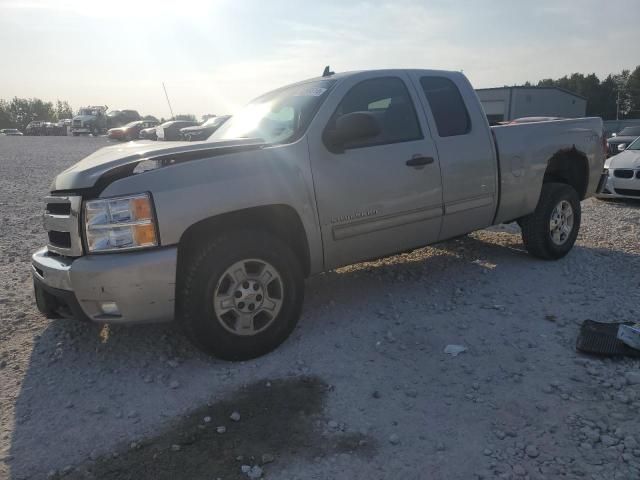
[
  {"x": 327, "y": 72},
  {"x": 166, "y": 95}
]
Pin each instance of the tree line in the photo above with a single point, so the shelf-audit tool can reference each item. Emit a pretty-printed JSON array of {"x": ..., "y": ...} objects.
[
  {"x": 615, "y": 97},
  {"x": 18, "y": 112}
]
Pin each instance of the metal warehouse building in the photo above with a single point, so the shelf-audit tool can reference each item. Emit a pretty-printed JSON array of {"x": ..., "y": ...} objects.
[{"x": 508, "y": 103}]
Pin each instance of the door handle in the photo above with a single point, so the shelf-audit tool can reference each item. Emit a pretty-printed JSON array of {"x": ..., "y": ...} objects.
[{"x": 419, "y": 161}]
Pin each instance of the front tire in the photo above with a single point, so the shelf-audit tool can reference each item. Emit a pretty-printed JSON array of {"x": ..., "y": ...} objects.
[
  {"x": 551, "y": 230},
  {"x": 241, "y": 295}
]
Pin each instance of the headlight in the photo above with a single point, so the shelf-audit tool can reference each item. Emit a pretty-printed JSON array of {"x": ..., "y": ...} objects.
[
  {"x": 621, "y": 147},
  {"x": 120, "y": 223}
]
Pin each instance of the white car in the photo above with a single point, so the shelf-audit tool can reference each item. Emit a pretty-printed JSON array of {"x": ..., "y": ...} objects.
[
  {"x": 624, "y": 174},
  {"x": 11, "y": 131}
]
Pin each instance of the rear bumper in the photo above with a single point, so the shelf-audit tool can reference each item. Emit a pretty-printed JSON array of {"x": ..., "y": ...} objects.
[{"x": 140, "y": 284}]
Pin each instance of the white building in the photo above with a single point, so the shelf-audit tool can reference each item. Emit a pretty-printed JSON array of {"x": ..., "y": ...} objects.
[{"x": 509, "y": 103}]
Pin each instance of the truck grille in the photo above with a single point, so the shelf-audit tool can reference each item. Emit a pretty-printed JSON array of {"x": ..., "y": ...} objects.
[
  {"x": 62, "y": 222},
  {"x": 77, "y": 123},
  {"x": 623, "y": 173}
]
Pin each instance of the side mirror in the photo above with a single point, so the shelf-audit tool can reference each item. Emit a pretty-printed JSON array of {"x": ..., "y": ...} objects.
[{"x": 351, "y": 127}]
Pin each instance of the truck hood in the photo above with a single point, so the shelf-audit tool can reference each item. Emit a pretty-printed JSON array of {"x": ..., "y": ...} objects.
[
  {"x": 124, "y": 157},
  {"x": 626, "y": 159}
]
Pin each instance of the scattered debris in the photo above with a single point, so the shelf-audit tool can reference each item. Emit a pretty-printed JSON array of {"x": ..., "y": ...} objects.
[
  {"x": 454, "y": 350},
  {"x": 602, "y": 339}
]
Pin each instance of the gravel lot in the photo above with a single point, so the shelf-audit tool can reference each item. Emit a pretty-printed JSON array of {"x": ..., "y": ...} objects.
[{"x": 362, "y": 389}]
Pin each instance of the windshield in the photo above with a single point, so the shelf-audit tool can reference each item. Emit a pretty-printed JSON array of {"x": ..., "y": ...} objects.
[
  {"x": 280, "y": 116},
  {"x": 635, "y": 145},
  {"x": 630, "y": 132},
  {"x": 212, "y": 122}
]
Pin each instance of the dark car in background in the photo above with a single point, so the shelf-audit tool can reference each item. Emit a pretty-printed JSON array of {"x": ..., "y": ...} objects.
[
  {"x": 11, "y": 132},
  {"x": 202, "y": 131},
  {"x": 118, "y": 118},
  {"x": 130, "y": 131},
  {"x": 620, "y": 141},
  {"x": 38, "y": 127},
  {"x": 170, "y": 131}
]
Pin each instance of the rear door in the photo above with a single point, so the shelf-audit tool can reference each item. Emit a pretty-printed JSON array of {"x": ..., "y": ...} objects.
[
  {"x": 382, "y": 195},
  {"x": 465, "y": 148}
]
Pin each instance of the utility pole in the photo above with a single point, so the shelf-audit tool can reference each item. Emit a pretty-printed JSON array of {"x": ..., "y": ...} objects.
[{"x": 166, "y": 95}]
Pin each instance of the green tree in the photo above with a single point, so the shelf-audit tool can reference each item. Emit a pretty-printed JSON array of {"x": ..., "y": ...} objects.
[
  {"x": 6, "y": 120},
  {"x": 63, "y": 110},
  {"x": 603, "y": 97},
  {"x": 24, "y": 110},
  {"x": 633, "y": 87}
]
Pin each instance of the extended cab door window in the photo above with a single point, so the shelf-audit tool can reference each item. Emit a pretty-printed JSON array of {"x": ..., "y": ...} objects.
[
  {"x": 447, "y": 106},
  {"x": 388, "y": 100}
]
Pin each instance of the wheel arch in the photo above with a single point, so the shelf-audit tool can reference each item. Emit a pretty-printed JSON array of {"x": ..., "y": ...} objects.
[
  {"x": 279, "y": 220},
  {"x": 570, "y": 167}
]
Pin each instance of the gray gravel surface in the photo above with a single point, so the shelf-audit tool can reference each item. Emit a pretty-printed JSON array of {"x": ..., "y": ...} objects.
[{"x": 385, "y": 400}]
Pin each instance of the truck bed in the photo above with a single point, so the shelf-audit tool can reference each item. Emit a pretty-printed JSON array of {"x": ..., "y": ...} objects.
[{"x": 525, "y": 150}]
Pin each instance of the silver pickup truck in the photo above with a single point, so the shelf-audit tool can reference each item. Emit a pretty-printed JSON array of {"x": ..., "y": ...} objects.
[{"x": 220, "y": 235}]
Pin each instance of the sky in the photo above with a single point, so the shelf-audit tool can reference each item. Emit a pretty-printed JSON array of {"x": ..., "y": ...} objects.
[{"x": 216, "y": 55}]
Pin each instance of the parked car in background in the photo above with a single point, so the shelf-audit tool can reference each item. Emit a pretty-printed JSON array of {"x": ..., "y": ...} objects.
[
  {"x": 50, "y": 129},
  {"x": 131, "y": 131},
  {"x": 119, "y": 118},
  {"x": 35, "y": 127},
  {"x": 11, "y": 132},
  {"x": 148, "y": 134},
  {"x": 623, "y": 173},
  {"x": 204, "y": 130},
  {"x": 170, "y": 131},
  {"x": 620, "y": 141}
]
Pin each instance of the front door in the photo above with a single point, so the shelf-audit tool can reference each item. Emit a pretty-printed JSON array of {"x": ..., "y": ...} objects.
[{"x": 382, "y": 195}]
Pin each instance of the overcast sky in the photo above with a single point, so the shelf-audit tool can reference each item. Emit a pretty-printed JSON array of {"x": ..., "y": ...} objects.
[{"x": 216, "y": 55}]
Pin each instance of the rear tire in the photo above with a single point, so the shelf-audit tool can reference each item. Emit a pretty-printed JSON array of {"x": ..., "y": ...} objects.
[
  {"x": 551, "y": 230},
  {"x": 241, "y": 295}
]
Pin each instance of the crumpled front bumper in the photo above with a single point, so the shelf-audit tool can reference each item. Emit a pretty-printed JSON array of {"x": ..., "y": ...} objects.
[{"x": 131, "y": 287}]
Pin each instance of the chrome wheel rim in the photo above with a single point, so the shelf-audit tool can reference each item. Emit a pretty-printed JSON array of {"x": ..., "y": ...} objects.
[
  {"x": 248, "y": 297},
  {"x": 561, "y": 222}
]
